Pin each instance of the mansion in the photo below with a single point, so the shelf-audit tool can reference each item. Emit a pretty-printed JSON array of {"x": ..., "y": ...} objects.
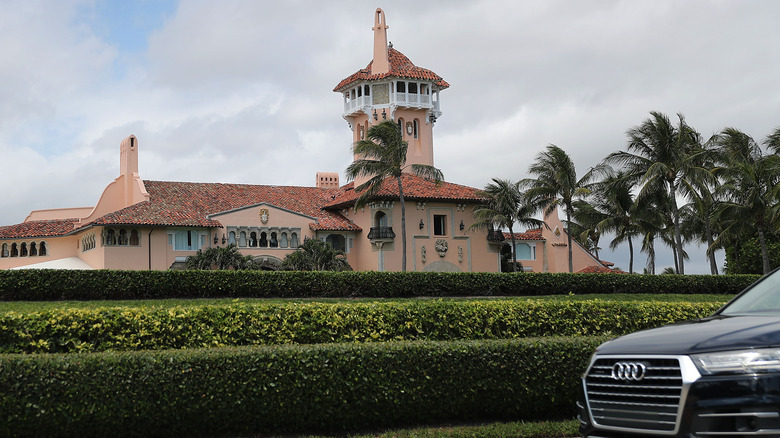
[{"x": 140, "y": 224}]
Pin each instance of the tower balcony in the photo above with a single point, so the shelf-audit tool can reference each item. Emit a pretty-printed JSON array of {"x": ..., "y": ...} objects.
[
  {"x": 381, "y": 233},
  {"x": 384, "y": 95}
]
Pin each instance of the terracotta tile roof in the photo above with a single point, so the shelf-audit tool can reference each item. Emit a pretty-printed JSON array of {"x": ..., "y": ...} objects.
[
  {"x": 48, "y": 228},
  {"x": 400, "y": 66},
  {"x": 600, "y": 270},
  {"x": 415, "y": 189},
  {"x": 193, "y": 204},
  {"x": 534, "y": 234}
]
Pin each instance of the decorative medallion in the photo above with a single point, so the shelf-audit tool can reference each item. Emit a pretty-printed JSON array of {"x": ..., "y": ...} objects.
[
  {"x": 441, "y": 247},
  {"x": 460, "y": 253},
  {"x": 264, "y": 215},
  {"x": 424, "y": 253},
  {"x": 362, "y": 132},
  {"x": 557, "y": 232},
  {"x": 409, "y": 128}
]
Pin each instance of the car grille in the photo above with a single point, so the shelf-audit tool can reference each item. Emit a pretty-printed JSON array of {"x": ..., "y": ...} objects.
[{"x": 648, "y": 404}]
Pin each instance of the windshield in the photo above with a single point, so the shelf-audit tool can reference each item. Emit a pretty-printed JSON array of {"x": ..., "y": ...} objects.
[{"x": 763, "y": 297}]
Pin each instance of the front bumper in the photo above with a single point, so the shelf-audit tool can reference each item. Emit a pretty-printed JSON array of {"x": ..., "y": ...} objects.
[{"x": 714, "y": 406}]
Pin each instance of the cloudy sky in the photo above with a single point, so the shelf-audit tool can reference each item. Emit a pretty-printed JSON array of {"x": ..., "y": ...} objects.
[{"x": 241, "y": 91}]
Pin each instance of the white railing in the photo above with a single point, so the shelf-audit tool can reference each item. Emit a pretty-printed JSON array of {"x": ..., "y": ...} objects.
[{"x": 411, "y": 100}]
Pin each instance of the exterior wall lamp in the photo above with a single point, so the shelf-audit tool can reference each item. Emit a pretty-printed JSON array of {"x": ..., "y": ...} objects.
[
  {"x": 462, "y": 226},
  {"x": 376, "y": 117},
  {"x": 215, "y": 239},
  {"x": 384, "y": 114},
  {"x": 422, "y": 225},
  {"x": 223, "y": 239}
]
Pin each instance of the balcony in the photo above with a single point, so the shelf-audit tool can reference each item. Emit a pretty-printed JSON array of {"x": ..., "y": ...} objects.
[
  {"x": 381, "y": 233},
  {"x": 495, "y": 236}
]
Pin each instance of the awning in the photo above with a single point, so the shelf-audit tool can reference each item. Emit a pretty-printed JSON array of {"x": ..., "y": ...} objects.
[{"x": 66, "y": 263}]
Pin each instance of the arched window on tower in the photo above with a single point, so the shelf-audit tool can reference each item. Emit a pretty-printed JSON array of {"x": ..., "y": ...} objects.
[{"x": 416, "y": 128}]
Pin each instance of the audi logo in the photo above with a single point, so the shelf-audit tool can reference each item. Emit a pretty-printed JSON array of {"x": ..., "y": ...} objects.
[{"x": 629, "y": 371}]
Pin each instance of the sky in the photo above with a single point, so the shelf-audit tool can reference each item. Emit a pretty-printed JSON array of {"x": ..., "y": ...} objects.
[{"x": 241, "y": 91}]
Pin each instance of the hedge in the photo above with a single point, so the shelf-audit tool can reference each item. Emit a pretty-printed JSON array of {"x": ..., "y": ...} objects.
[
  {"x": 332, "y": 388},
  {"x": 52, "y": 285},
  {"x": 199, "y": 326}
]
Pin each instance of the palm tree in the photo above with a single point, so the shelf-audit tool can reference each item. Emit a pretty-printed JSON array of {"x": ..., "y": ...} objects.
[
  {"x": 382, "y": 156},
  {"x": 503, "y": 207},
  {"x": 585, "y": 225},
  {"x": 555, "y": 185},
  {"x": 750, "y": 180},
  {"x": 664, "y": 156},
  {"x": 315, "y": 255},
  {"x": 616, "y": 203},
  {"x": 228, "y": 257}
]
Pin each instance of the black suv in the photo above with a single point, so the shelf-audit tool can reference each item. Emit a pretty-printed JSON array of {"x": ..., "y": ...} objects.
[{"x": 714, "y": 377}]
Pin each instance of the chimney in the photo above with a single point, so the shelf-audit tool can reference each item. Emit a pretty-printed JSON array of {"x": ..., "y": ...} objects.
[{"x": 327, "y": 180}]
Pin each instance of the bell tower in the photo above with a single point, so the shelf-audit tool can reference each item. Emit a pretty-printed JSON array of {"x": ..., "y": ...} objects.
[{"x": 391, "y": 87}]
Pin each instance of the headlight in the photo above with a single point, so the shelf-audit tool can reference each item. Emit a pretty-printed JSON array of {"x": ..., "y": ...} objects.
[{"x": 739, "y": 362}]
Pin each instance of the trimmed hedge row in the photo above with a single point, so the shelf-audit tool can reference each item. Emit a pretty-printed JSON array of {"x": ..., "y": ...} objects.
[
  {"x": 52, "y": 285},
  {"x": 101, "y": 329},
  {"x": 332, "y": 388}
]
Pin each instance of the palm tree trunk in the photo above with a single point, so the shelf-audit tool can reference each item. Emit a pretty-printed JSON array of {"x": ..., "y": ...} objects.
[
  {"x": 403, "y": 224},
  {"x": 651, "y": 254},
  {"x": 630, "y": 256},
  {"x": 568, "y": 236},
  {"x": 710, "y": 249},
  {"x": 764, "y": 251},
  {"x": 514, "y": 254},
  {"x": 677, "y": 235}
]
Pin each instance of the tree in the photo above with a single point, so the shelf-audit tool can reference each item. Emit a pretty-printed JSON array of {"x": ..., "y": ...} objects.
[
  {"x": 227, "y": 257},
  {"x": 664, "y": 156},
  {"x": 503, "y": 207},
  {"x": 316, "y": 255},
  {"x": 555, "y": 185},
  {"x": 750, "y": 186},
  {"x": 382, "y": 155},
  {"x": 616, "y": 202}
]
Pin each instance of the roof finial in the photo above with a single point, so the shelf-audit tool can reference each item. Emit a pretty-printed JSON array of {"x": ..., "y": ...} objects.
[{"x": 380, "y": 64}]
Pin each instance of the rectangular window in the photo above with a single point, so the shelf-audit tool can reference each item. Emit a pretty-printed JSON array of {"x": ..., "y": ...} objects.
[
  {"x": 186, "y": 240},
  {"x": 439, "y": 225}
]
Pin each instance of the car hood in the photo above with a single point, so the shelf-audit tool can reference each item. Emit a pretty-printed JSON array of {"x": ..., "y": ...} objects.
[{"x": 716, "y": 333}]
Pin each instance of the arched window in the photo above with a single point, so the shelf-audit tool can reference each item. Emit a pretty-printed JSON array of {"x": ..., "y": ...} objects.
[
  {"x": 23, "y": 250},
  {"x": 135, "y": 238},
  {"x": 242, "y": 239},
  {"x": 401, "y": 125},
  {"x": 14, "y": 250},
  {"x": 110, "y": 237},
  {"x": 380, "y": 220},
  {"x": 283, "y": 241},
  {"x": 263, "y": 240},
  {"x": 33, "y": 249},
  {"x": 253, "y": 239},
  {"x": 274, "y": 242},
  {"x": 122, "y": 240},
  {"x": 5, "y": 252},
  {"x": 416, "y": 129},
  {"x": 294, "y": 240},
  {"x": 232, "y": 237},
  {"x": 337, "y": 241},
  {"x": 42, "y": 249}
]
